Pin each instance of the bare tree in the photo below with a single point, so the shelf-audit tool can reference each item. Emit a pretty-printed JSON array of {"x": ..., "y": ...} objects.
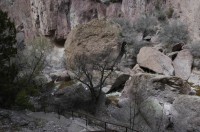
[{"x": 93, "y": 70}]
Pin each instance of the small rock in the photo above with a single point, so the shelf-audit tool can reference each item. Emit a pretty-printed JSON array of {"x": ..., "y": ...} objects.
[{"x": 147, "y": 38}]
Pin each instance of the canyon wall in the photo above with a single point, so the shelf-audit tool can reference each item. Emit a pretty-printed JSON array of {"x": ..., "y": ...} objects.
[{"x": 55, "y": 18}]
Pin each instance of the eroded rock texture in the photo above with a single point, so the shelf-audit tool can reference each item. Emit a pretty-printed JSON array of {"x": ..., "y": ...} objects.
[
  {"x": 55, "y": 18},
  {"x": 92, "y": 38},
  {"x": 162, "y": 103},
  {"x": 183, "y": 64},
  {"x": 155, "y": 60}
]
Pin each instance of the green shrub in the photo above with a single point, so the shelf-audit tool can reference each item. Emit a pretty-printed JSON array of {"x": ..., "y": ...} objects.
[
  {"x": 8, "y": 70},
  {"x": 173, "y": 33},
  {"x": 22, "y": 100},
  {"x": 19, "y": 69}
]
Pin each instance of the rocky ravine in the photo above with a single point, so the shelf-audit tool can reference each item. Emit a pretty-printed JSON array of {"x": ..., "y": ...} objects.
[
  {"x": 162, "y": 102},
  {"x": 55, "y": 18}
]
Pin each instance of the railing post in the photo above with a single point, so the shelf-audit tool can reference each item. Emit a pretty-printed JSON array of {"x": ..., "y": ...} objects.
[
  {"x": 86, "y": 120},
  {"x": 105, "y": 126},
  {"x": 72, "y": 115}
]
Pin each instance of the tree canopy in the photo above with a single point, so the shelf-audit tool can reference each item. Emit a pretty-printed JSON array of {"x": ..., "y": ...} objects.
[{"x": 8, "y": 51}]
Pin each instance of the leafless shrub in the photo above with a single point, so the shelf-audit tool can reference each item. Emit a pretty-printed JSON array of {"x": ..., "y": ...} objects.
[
  {"x": 93, "y": 71},
  {"x": 146, "y": 25},
  {"x": 175, "y": 32},
  {"x": 128, "y": 34}
]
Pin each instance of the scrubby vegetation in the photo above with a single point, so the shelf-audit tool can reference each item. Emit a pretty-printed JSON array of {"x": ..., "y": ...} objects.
[
  {"x": 93, "y": 71},
  {"x": 156, "y": 23},
  {"x": 146, "y": 25},
  {"x": 19, "y": 69},
  {"x": 175, "y": 32},
  {"x": 195, "y": 49},
  {"x": 128, "y": 33},
  {"x": 161, "y": 16},
  {"x": 31, "y": 62}
]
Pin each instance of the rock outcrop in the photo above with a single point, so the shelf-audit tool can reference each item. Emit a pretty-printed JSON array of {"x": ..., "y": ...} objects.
[
  {"x": 56, "y": 18},
  {"x": 183, "y": 64},
  {"x": 161, "y": 103},
  {"x": 92, "y": 38},
  {"x": 154, "y": 60}
]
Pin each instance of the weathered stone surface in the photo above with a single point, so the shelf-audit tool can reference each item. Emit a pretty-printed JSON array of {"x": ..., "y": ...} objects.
[
  {"x": 154, "y": 60},
  {"x": 196, "y": 63},
  {"x": 137, "y": 69},
  {"x": 194, "y": 78},
  {"x": 119, "y": 83},
  {"x": 57, "y": 17},
  {"x": 161, "y": 104},
  {"x": 19, "y": 11},
  {"x": 186, "y": 118},
  {"x": 52, "y": 18},
  {"x": 183, "y": 64},
  {"x": 132, "y": 9},
  {"x": 94, "y": 37},
  {"x": 114, "y": 10},
  {"x": 82, "y": 11}
]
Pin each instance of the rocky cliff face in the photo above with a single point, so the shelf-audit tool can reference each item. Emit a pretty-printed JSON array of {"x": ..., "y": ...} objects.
[
  {"x": 185, "y": 10},
  {"x": 55, "y": 18}
]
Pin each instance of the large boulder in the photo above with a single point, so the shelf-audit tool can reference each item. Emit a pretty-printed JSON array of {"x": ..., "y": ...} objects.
[
  {"x": 92, "y": 38},
  {"x": 183, "y": 64},
  {"x": 163, "y": 103},
  {"x": 154, "y": 60}
]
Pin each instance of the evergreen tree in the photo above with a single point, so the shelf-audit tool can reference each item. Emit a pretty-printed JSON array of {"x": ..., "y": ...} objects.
[{"x": 8, "y": 50}]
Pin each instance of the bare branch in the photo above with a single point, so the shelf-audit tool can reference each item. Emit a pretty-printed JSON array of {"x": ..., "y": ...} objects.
[{"x": 84, "y": 68}]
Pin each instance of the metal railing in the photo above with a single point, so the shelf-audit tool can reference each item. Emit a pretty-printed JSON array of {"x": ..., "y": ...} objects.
[{"x": 92, "y": 119}]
